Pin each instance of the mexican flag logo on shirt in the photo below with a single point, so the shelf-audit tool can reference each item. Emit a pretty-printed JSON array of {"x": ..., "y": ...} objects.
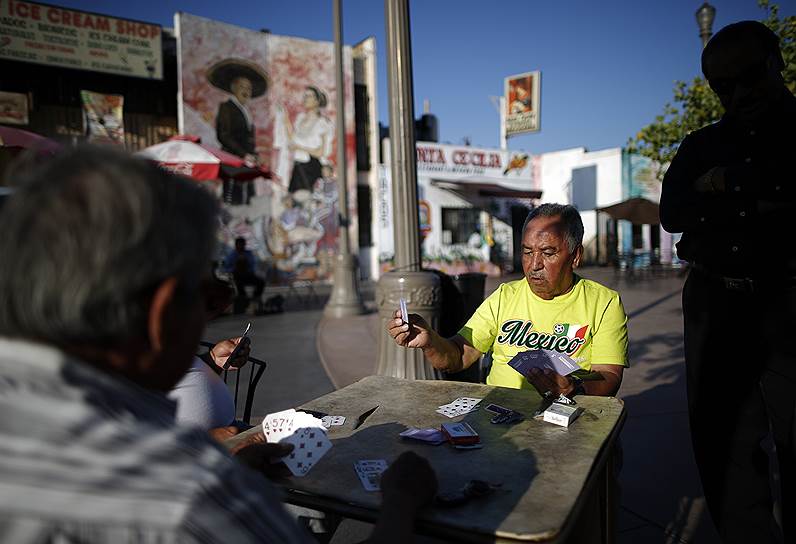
[{"x": 571, "y": 331}]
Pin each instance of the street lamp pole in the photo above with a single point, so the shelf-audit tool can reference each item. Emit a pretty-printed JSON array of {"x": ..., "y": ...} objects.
[
  {"x": 345, "y": 299},
  {"x": 420, "y": 288},
  {"x": 705, "y": 16}
]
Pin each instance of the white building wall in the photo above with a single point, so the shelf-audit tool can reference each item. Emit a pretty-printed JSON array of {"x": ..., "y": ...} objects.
[{"x": 556, "y": 178}]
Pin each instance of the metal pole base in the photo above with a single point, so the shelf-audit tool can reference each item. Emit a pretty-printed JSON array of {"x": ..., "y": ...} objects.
[
  {"x": 345, "y": 299},
  {"x": 423, "y": 295}
]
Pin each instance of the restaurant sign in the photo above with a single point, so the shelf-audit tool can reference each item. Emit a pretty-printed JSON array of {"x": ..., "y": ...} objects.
[
  {"x": 452, "y": 162},
  {"x": 521, "y": 103},
  {"x": 44, "y": 34}
]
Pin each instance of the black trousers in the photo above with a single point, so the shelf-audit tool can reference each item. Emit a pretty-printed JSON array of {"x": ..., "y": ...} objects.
[
  {"x": 243, "y": 280},
  {"x": 740, "y": 352}
]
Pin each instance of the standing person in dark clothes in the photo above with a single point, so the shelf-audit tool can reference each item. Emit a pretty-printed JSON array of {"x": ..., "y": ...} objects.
[
  {"x": 731, "y": 191},
  {"x": 242, "y": 264}
]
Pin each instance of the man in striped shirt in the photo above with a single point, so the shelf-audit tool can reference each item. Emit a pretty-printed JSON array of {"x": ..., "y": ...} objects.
[{"x": 102, "y": 267}]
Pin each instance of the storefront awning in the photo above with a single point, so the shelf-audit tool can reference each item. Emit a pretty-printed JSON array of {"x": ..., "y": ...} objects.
[
  {"x": 487, "y": 186},
  {"x": 638, "y": 211}
]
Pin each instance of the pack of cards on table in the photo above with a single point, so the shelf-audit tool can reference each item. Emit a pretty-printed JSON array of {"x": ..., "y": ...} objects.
[
  {"x": 459, "y": 407},
  {"x": 561, "y": 414},
  {"x": 304, "y": 431},
  {"x": 460, "y": 434},
  {"x": 430, "y": 436}
]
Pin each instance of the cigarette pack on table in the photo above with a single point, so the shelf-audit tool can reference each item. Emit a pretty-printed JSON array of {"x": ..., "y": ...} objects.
[
  {"x": 460, "y": 434},
  {"x": 561, "y": 414}
]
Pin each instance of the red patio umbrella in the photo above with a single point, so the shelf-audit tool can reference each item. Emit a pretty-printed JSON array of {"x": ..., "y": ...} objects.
[
  {"x": 186, "y": 155},
  {"x": 18, "y": 139}
]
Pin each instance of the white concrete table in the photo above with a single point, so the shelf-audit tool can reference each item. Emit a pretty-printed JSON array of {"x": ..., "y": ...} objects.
[{"x": 555, "y": 481}]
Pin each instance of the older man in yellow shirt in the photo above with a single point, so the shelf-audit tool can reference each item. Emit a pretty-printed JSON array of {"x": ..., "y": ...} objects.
[{"x": 550, "y": 308}]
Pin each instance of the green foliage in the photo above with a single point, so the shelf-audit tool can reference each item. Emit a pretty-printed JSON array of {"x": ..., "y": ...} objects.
[{"x": 695, "y": 105}]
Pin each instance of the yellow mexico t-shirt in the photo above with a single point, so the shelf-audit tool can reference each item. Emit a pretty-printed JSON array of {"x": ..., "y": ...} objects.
[{"x": 588, "y": 323}]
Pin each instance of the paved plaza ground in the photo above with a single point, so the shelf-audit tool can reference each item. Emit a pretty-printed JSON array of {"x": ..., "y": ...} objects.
[{"x": 661, "y": 499}]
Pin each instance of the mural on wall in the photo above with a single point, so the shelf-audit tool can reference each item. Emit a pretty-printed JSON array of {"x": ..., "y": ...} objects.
[
  {"x": 103, "y": 117},
  {"x": 13, "y": 108},
  {"x": 271, "y": 101},
  {"x": 640, "y": 177}
]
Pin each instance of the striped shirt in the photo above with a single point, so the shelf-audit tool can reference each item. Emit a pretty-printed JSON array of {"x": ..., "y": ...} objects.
[{"x": 89, "y": 457}]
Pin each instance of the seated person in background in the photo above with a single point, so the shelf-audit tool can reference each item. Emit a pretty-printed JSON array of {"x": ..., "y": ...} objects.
[
  {"x": 550, "y": 308},
  {"x": 203, "y": 399},
  {"x": 242, "y": 265},
  {"x": 101, "y": 315}
]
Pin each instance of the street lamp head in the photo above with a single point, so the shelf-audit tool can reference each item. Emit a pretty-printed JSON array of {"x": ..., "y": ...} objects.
[{"x": 705, "y": 16}]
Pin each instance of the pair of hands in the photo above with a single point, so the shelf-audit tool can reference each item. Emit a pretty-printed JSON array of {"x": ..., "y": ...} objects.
[
  {"x": 409, "y": 479},
  {"x": 418, "y": 334},
  {"x": 255, "y": 452}
]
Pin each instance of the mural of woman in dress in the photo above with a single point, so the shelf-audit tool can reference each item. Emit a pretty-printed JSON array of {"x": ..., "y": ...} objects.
[{"x": 310, "y": 139}]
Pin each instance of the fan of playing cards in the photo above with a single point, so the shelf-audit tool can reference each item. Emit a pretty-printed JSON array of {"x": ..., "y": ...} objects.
[
  {"x": 542, "y": 359},
  {"x": 304, "y": 431}
]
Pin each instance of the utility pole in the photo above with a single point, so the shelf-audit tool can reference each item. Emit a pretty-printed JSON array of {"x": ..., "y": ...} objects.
[
  {"x": 420, "y": 288},
  {"x": 345, "y": 300}
]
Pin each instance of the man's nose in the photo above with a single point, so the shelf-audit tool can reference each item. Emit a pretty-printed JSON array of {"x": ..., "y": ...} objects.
[{"x": 536, "y": 261}]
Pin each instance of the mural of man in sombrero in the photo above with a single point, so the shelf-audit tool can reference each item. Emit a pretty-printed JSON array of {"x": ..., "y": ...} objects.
[{"x": 235, "y": 128}]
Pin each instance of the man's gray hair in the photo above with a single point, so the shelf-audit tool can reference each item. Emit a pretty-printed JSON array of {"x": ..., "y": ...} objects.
[
  {"x": 570, "y": 217},
  {"x": 86, "y": 240}
]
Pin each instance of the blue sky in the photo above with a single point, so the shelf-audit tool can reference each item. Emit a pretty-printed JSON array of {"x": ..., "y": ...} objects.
[{"x": 607, "y": 66}]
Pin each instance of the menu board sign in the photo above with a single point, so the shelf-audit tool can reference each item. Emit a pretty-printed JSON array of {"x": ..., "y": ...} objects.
[{"x": 44, "y": 34}]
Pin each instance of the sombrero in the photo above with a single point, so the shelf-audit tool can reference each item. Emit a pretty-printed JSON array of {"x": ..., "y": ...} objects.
[{"x": 222, "y": 73}]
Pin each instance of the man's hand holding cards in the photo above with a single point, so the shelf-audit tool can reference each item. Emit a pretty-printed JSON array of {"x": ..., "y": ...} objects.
[
  {"x": 409, "y": 330},
  {"x": 542, "y": 359},
  {"x": 305, "y": 432}
]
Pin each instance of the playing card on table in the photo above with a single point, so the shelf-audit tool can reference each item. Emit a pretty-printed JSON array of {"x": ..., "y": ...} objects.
[
  {"x": 458, "y": 407},
  {"x": 561, "y": 363},
  {"x": 332, "y": 421},
  {"x": 278, "y": 425},
  {"x": 309, "y": 445},
  {"x": 369, "y": 472}
]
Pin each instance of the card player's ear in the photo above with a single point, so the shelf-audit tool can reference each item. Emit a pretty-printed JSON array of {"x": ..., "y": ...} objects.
[
  {"x": 576, "y": 258},
  {"x": 162, "y": 302}
]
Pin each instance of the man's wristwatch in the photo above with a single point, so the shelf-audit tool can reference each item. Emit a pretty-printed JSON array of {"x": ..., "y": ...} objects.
[{"x": 578, "y": 383}]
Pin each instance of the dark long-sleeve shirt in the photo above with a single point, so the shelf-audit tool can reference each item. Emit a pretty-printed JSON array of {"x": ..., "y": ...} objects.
[{"x": 746, "y": 230}]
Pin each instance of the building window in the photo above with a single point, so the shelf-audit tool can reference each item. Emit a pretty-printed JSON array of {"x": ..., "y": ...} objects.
[
  {"x": 362, "y": 126},
  {"x": 459, "y": 223},
  {"x": 365, "y": 215}
]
